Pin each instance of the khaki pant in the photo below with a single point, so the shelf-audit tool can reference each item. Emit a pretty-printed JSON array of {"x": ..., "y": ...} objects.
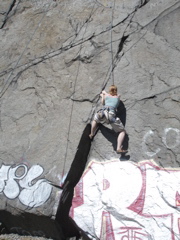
[{"x": 109, "y": 117}]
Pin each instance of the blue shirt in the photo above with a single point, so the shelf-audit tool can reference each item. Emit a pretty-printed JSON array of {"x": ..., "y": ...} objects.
[{"x": 112, "y": 101}]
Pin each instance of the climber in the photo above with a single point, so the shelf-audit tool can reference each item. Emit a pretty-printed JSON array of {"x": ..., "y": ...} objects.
[{"x": 108, "y": 115}]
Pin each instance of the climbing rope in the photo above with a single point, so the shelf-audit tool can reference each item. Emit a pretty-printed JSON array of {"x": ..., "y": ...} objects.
[
  {"x": 108, "y": 75},
  {"x": 72, "y": 97},
  {"x": 8, "y": 81},
  {"x": 112, "y": 60}
]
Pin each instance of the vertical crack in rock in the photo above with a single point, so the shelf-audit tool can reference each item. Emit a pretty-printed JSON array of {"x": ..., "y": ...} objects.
[
  {"x": 125, "y": 37},
  {"x": 143, "y": 2},
  {"x": 9, "y": 10},
  {"x": 66, "y": 224},
  {"x": 121, "y": 44}
]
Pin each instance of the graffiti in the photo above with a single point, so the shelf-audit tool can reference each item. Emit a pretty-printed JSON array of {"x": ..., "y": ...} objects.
[
  {"x": 146, "y": 136},
  {"x": 176, "y": 137},
  {"x": 175, "y": 140},
  {"x": 139, "y": 200},
  {"x": 106, "y": 184},
  {"x": 11, "y": 188},
  {"x": 106, "y": 227},
  {"x": 132, "y": 233},
  {"x": 21, "y": 182}
]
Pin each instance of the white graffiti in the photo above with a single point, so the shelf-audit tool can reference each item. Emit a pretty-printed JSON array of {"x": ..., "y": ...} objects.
[
  {"x": 30, "y": 191},
  {"x": 177, "y": 140},
  {"x": 146, "y": 136},
  {"x": 150, "y": 134}
]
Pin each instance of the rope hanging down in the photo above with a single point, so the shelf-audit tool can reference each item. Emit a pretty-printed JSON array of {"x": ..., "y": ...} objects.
[
  {"x": 112, "y": 58},
  {"x": 108, "y": 75},
  {"x": 111, "y": 74},
  {"x": 72, "y": 107}
]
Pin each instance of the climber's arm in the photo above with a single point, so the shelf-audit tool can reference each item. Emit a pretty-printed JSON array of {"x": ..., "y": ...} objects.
[{"x": 103, "y": 95}]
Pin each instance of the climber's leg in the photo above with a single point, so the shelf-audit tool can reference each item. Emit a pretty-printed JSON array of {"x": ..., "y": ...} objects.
[
  {"x": 120, "y": 140},
  {"x": 94, "y": 126},
  {"x": 118, "y": 127}
]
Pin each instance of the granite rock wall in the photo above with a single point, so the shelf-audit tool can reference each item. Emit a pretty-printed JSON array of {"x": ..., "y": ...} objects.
[{"x": 55, "y": 59}]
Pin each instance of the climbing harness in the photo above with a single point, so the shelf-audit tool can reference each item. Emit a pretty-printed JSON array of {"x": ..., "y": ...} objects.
[{"x": 106, "y": 115}]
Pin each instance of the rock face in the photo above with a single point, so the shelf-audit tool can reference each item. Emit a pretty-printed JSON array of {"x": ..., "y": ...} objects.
[{"x": 56, "y": 57}]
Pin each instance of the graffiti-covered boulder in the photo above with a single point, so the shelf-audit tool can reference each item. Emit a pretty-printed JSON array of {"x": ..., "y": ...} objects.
[{"x": 118, "y": 200}]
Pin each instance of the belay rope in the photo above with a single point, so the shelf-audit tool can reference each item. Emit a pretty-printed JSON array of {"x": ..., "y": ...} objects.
[
  {"x": 112, "y": 59},
  {"x": 72, "y": 106},
  {"x": 109, "y": 76},
  {"x": 112, "y": 78}
]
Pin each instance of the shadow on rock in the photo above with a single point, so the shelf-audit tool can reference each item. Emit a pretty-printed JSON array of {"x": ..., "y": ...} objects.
[
  {"x": 66, "y": 224},
  {"x": 121, "y": 113},
  {"x": 110, "y": 135},
  {"x": 124, "y": 157}
]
